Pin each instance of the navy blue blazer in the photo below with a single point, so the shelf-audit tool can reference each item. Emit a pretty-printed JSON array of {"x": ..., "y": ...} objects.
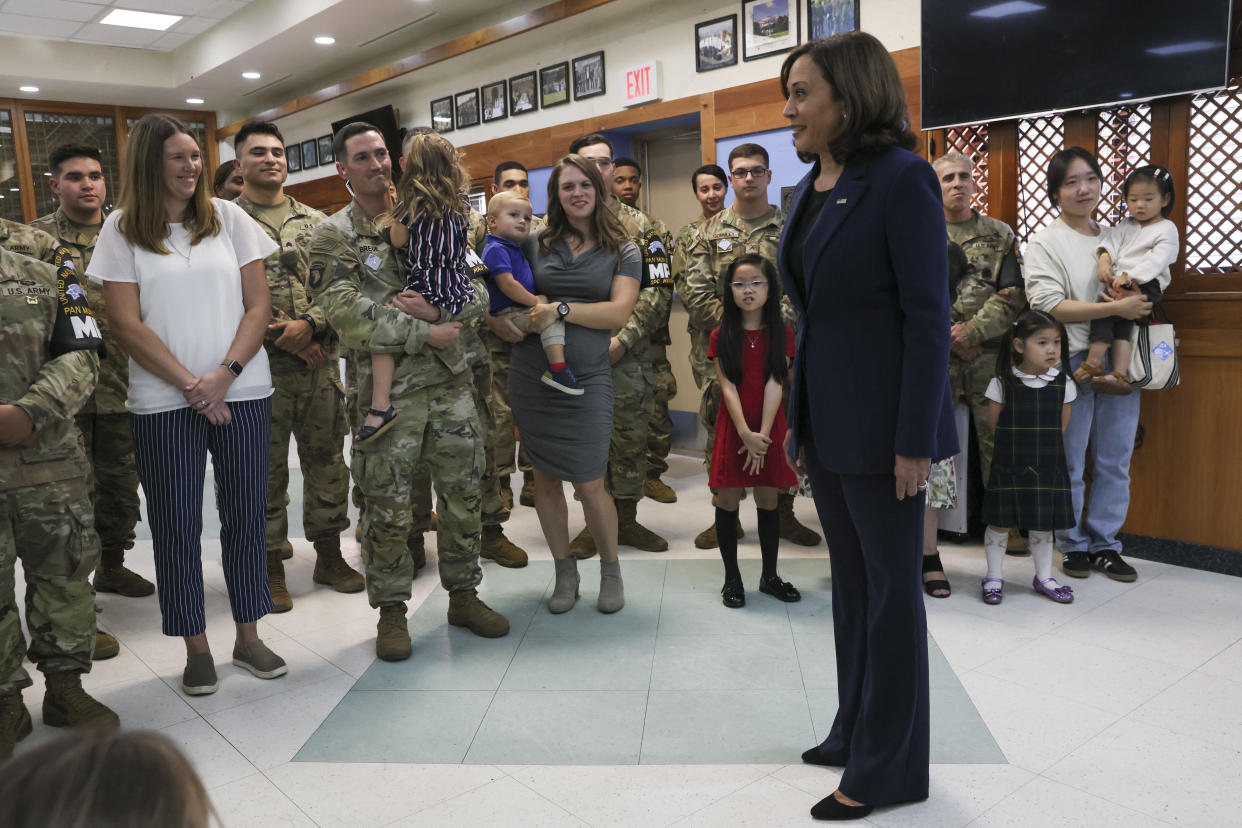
[{"x": 872, "y": 350}]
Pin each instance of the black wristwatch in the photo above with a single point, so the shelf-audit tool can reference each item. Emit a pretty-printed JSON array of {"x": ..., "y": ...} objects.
[
  {"x": 562, "y": 310},
  {"x": 235, "y": 367},
  {"x": 309, "y": 320}
]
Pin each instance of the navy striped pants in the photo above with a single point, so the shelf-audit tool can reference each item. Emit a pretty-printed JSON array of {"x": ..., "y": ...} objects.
[{"x": 171, "y": 448}]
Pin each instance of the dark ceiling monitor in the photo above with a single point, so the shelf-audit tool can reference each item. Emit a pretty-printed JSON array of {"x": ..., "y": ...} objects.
[
  {"x": 385, "y": 120},
  {"x": 987, "y": 60}
]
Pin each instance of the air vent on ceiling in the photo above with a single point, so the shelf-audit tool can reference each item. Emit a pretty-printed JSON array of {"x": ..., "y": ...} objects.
[
  {"x": 266, "y": 86},
  {"x": 401, "y": 28}
]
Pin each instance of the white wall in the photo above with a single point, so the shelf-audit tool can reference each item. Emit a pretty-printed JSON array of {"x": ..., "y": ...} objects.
[{"x": 628, "y": 31}]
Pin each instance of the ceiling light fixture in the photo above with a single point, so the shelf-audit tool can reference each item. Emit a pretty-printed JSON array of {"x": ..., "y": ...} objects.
[
  {"x": 324, "y": 40},
  {"x": 194, "y": 100},
  {"x": 140, "y": 19},
  {"x": 28, "y": 88},
  {"x": 251, "y": 75}
]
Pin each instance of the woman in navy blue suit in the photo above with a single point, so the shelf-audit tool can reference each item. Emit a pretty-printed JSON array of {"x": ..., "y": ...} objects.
[{"x": 863, "y": 261}]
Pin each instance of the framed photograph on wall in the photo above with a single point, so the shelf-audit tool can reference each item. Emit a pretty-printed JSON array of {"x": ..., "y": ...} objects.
[
  {"x": 769, "y": 27},
  {"x": 588, "y": 76},
  {"x": 326, "y": 155},
  {"x": 293, "y": 157},
  {"x": 554, "y": 85},
  {"x": 715, "y": 43},
  {"x": 824, "y": 18},
  {"x": 467, "y": 104},
  {"x": 495, "y": 101},
  {"x": 442, "y": 114},
  {"x": 523, "y": 93},
  {"x": 310, "y": 153}
]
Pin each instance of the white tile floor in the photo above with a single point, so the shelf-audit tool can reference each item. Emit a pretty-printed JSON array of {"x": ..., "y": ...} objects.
[{"x": 1124, "y": 708}]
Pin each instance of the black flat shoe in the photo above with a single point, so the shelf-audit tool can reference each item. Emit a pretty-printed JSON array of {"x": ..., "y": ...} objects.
[
  {"x": 732, "y": 595},
  {"x": 814, "y": 757},
  {"x": 931, "y": 563},
  {"x": 834, "y": 810},
  {"x": 778, "y": 589}
]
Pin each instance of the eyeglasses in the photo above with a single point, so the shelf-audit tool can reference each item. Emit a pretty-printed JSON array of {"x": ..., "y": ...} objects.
[
  {"x": 753, "y": 172},
  {"x": 602, "y": 163},
  {"x": 753, "y": 285}
]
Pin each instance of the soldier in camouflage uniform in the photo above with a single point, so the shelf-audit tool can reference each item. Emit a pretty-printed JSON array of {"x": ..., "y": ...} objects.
[
  {"x": 48, "y": 369},
  {"x": 632, "y": 351},
  {"x": 308, "y": 400},
  {"x": 627, "y": 186},
  {"x": 749, "y": 225},
  {"x": 77, "y": 179},
  {"x": 355, "y": 277}
]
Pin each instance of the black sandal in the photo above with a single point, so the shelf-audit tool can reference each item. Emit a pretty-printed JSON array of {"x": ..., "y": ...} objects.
[
  {"x": 931, "y": 563},
  {"x": 386, "y": 420}
]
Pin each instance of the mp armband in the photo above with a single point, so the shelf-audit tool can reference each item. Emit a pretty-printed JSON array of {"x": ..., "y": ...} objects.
[
  {"x": 657, "y": 268},
  {"x": 76, "y": 328}
]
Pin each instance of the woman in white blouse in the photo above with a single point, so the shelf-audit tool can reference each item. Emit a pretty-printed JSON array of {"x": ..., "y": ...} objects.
[{"x": 187, "y": 295}]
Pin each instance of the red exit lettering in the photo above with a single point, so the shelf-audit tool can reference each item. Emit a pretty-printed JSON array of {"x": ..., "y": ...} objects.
[{"x": 638, "y": 82}]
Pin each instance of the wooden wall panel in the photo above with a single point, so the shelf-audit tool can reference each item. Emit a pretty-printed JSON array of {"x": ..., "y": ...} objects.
[{"x": 327, "y": 194}]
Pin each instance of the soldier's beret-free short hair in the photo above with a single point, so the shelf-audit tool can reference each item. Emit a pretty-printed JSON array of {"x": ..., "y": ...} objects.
[
  {"x": 256, "y": 128},
  {"x": 62, "y": 153}
]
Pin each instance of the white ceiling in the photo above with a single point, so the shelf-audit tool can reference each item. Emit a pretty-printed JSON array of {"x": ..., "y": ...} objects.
[{"x": 58, "y": 46}]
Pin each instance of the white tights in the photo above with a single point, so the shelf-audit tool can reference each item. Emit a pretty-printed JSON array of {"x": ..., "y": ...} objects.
[{"x": 995, "y": 541}]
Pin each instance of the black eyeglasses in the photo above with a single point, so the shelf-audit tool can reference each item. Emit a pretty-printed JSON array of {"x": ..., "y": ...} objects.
[{"x": 753, "y": 172}]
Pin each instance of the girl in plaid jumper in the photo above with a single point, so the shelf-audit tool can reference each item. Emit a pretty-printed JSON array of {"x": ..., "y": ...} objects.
[{"x": 1029, "y": 486}]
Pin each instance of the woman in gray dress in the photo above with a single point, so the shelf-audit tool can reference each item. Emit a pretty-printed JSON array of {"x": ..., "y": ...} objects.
[{"x": 583, "y": 260}]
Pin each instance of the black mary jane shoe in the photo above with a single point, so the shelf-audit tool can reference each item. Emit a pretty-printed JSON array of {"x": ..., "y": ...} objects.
[
  {"x": 931, "y": 563},
  {"x": 813, "y": 756},
  {"x": 732, "y": 595},
  {"x": 832, "y": 809},
  {"x": 386, "y": 420},
  {"x": 778, "y": 589}
]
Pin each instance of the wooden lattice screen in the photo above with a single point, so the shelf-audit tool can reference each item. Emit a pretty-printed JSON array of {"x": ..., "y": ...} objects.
[
  {"x": 1038, "y": 140},
  {"x": 1214, "y": 188},
  {"x": 972, "y": 142},
  {"x": 1124, "y": 144}
]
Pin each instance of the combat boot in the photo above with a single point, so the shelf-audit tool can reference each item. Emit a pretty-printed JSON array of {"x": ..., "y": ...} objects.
[
  {"x": 791, "y": 529},
  {"x": 331, "y": 569},
  {"x": 282, "y": 601},
  {"x": 286, "y": 551},
  {"x": 527, "y": 497},
  {"x": 496, "y": 547},
  {"x": 658, "y": 490},
  {"x": 1017, "y": 544},
  {"x": 105, "y": 646},
  {"x": 418, "y": 550},
  {"x": 506, "y": 494},
  {"x": 14, "y": 723},
  {"x": 392, "y": 636},
  {"x": 66, "y": 704},
  {"x": 583, "y": 546},
  {"x": 467, "y": 610},
  {"x": 632, "y": 533},
  {"x": 433, "y": 523},
  {"x": 112, "y": 576}
]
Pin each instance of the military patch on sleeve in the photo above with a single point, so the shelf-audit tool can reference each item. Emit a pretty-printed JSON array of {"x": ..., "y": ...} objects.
[
  {"x": 316, "y": 274},
  {"x": 478, "y": 270},
  {"x": 76, "y": 328},
  {"x": 1009, "y": 272},
  {"x": 657, "y": 272}
]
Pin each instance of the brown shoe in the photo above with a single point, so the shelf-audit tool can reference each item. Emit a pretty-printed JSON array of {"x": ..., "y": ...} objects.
[
  {"x": 105, "y": 646},
  {"x": 632, "y": 533},
  {"x": 707, "y": 538},
  {"x": 15, "y": 723},
  {"x": 527, "y": 496},
  {"x": 496, "y": 547},
  {"x": 282, "y": 601},
  {"x": 331, "y": 569},
  {"x": 467, "y": 610},
  {"x": 392, "y": 637},
  {"x": 506, "y": 494},
  {"x": 791, "y": 529},
  {"x": 418, "y": 551},
  {"x": 66, "y": 704},
  {"x": 1114, "y": 383},
  {"x": 112, "y": 576},
  {"x": 583, "y": 546},
  {"x": 286, "y": 551},
  {"x": 658, "y": 490},
  {"x": 433, "y": 524},
  {"x": 1086, "y": 372}
]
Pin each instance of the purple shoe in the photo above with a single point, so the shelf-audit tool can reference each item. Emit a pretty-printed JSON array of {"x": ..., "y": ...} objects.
[
  {"x": 993, "y": 594},
  {"x": 1058, "y": 593}
]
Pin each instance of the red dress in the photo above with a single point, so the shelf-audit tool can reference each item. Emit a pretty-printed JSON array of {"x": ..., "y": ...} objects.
[{"x": 726, "y": 472}]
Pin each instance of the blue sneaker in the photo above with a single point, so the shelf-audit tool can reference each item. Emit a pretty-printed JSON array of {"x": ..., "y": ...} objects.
[{"x": 564, "y": 381}]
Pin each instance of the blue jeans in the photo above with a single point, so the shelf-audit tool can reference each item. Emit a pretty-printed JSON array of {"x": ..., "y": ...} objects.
[{"x": 1105, "y": 424}]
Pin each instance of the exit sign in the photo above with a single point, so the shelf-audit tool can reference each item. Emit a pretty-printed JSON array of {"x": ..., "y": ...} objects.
[{"x": 642, "y": 83}]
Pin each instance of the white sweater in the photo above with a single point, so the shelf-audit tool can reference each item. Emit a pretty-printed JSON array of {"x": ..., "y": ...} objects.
[
  {"x": 1060, "y": 265},
  {"x": 1145, "y": 253}
]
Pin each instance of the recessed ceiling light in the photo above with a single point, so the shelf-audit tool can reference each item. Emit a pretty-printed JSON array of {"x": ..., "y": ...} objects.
[
  {"x": 140, "y": 19},
  {"x": 28, "y": 88},
  {"x": 194, "y": 100},
  {"x": 324, "y": 40},
  {"x": 251, "y": 75}
]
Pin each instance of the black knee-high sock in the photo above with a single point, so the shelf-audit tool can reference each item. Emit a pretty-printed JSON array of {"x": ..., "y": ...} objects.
[
  {"x": 726, "y": 539},
  {"x": 769, "y": 538}
]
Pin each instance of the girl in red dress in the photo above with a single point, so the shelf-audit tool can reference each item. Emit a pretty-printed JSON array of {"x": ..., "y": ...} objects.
[{"x": 752, "y": 348}]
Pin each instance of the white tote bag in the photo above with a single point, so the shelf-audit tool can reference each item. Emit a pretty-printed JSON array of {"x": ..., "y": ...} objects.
[{"x": 1153, "y": 358}]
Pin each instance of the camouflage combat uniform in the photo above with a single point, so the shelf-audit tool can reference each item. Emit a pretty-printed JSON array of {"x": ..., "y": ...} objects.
[
  {"x": 354, "y": 276},
  {"x": 307, "y": 404},
  {"x": 45, "y": 512},
  {"x": 987, "y": 301},
  {"x": 104, "y": 420},
  {"x": 663, "y": 382},
  {"x": 495, "y": 512}
]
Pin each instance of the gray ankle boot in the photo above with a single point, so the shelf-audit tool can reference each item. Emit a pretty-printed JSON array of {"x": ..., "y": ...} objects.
[
  {"x": 611, "y": 590},
  {"x": 565, "y": 593}
]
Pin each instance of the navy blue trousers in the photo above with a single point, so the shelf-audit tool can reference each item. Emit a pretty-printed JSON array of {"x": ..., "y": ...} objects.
[
  {"x": 171, "y": 448},
  {"x": 881, "y": 733}
]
